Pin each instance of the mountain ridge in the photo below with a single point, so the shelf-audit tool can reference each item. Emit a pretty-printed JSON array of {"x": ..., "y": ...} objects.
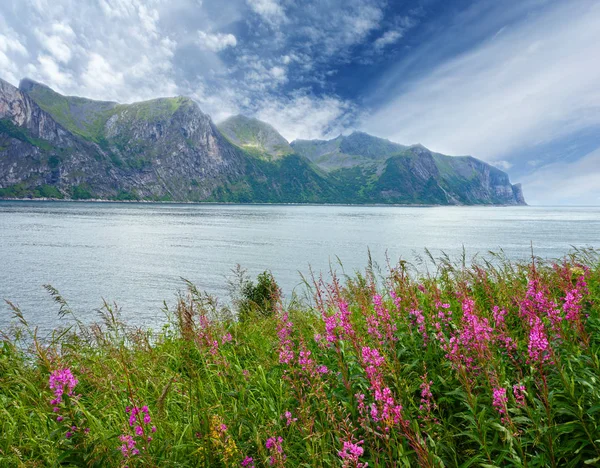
[{"x": 167, "y": 149}]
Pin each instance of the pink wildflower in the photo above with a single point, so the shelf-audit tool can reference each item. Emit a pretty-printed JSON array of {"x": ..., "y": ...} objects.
[
  {"x": 288, "y": 418},
  {"x": 519, "y": 393},
  {"x": 59, "y": 381},
  {"x": 350, "y": 454},
  {"x": 284, "y": 332},
  {"x": 499, "y": 400},
  {"x": 538, "y": 346}
]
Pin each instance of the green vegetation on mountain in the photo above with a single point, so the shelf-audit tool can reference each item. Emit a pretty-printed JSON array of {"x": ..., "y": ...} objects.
[
  {"x": 258, "y": 138},
  {"x": 166, "y": 149}
]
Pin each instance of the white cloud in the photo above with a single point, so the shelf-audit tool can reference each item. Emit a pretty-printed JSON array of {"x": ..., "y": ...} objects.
[
  {"x": 216, "y": 42},
  {"x": 99, "y": 74},
  {"x": 501, "y": 164},
  {"x": 305, "y": 116},
  {"x": 536, "y": 81},
  {"x": 270, "y": 10},
  {"x": 562, "y": 183},
  {"x": 57, "y": 45},
  {"x": 49, "y": 71},
  {"x": 389, "y": 37}
]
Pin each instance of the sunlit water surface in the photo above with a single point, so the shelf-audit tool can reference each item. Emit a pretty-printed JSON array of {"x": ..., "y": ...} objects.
[{"x": 137, "y": 253}]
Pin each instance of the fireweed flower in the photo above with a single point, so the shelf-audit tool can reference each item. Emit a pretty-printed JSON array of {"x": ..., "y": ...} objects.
[
  {"x": 538, "y": 346},
  {"x": 499, "y": 400},
  {"x": 248, "y": 462},
  {"x": 350, "y": 454},
  {"x": 337, "y": 325},
  {"x": 573, "y": 298},
  {"x": 226, "y": 338},
  {"x": 382, "y": 321},
  {"x": 537, "y": 304},
  {"x": 427, "y": 404},
  {"x": 59, "y": 381},
  {"x": 288, "y": 418},
  {"x": 128, "y": 448},
  {"x": 384, "y": 408},
  {"x": 275, "y": 447},
  {"x": 284, "y": 333},
  {"x": 519, "y": 393},
  {"x": 205, "y": 335},
  {"x": 139, "y": 419}
]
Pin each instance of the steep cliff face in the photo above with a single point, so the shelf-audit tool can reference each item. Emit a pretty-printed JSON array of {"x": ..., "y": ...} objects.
[
  {"x": 37, "y": 153},
  {"x": 167, "y": 149}
]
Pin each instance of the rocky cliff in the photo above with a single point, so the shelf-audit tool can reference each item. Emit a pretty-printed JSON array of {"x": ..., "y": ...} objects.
[{"x": 167, "y": 149}]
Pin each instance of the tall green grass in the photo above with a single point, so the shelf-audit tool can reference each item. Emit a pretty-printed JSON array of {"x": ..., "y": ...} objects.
[{"x": 489, "y": 364}]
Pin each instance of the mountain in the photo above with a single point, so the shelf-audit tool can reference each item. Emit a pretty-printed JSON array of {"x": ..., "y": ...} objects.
[
  {"x": 347, "y": 151},
  {"x": 70, "y": 147},
  {"x": 392, "y": 173},
  {"x": 256, "y": 137}
]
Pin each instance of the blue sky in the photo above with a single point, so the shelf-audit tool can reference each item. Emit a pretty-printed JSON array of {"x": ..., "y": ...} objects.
[{"x": 513, "y": 82}]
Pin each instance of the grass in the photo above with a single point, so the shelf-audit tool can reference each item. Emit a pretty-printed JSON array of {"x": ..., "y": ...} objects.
[{"x": 493, "y": 364}]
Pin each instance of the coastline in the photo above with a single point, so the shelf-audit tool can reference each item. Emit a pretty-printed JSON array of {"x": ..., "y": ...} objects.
[{"x": 171, "y": 202}]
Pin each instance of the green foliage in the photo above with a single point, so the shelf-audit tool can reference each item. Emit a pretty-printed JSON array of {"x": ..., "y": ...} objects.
[
  {"x": 20, "y": 133},
  {"x": 81, "y": 192},
  {"x": 217, "y": 388},
  {"x": 23, "y": 191},
  {"x": 258, "y": 300}
]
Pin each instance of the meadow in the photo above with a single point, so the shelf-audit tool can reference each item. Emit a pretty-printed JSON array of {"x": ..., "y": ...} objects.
[{"x": 489, "y": 363}]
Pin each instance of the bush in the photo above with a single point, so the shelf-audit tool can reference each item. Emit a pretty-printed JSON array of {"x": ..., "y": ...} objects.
[{"x": 259, "y": 300}]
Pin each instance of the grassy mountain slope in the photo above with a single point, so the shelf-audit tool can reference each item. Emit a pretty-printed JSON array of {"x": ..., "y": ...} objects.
[{"x": 258, "y": 138}]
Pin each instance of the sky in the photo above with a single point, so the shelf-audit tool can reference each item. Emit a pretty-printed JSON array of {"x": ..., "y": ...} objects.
[{"x": 515, "y": 83}]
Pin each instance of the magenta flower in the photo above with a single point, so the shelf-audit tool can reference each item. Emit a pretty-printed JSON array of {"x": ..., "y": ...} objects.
[
  {"x": 519, "y": 393},
  {"x": 248, "y": 462},
  {"x": 288, "y": 418},
  {"x": 128, "y": 448},
  {"x": 286, "y": 346},
  {"x": 538, "y": 346},
  {"x": 350, "y": 454},
  {"x": 59, "y": 381},
  {"x": 499, "y": 399}
]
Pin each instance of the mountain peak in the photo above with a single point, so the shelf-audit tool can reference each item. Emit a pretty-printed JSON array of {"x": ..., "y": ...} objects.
[
  {"x": 28, "y": 84},
  {"x": 255, "y": 136}
]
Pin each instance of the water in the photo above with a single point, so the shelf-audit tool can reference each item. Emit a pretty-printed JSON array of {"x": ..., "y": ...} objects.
[{"x": 136, "y": 254}]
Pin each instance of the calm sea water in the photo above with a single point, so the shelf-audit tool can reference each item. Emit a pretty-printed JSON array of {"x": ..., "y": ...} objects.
[{"x": 136, "y": 254}]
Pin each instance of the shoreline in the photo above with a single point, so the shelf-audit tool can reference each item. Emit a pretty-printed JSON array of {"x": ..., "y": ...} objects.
[{"x": 157, "y": 202}]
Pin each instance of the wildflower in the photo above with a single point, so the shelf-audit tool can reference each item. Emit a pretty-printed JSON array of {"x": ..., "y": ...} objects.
[
  {"x": 288, "y": 418},
  {"x": 59, "y": 381},
  {"x": 538, "y": 346},
  {"x": 248, "y": 462},
  {"x": 275, "y": 447},
  {"x": 519, "y": 393},
  {"x": 226, "y": 338},
  {"x": 284, "y": 332},
  {"x": 128, "y": 448},
  {"x": 222, "y": 442},
  {"x": 337, "y": 325},
  {"x": 426, "y": 396},
  {"x": 350, "y": 454},
  {"x": 499, "y": 399}
]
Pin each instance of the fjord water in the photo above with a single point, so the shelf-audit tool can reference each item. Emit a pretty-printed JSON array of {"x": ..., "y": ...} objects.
[{"x": 137, "y": 253}]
